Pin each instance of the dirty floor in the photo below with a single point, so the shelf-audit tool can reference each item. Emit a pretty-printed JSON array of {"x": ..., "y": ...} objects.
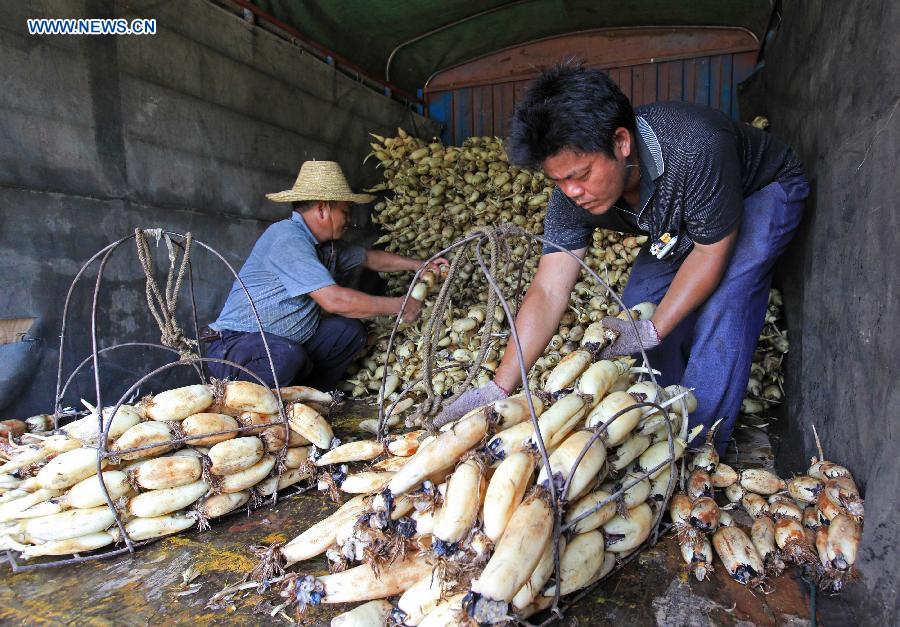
[{"x": 150, "y": 587}]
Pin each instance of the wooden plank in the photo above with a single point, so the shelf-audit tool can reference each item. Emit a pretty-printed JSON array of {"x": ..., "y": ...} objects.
[
  {"x": 519, "y": 88},
  {"x": 663, "y": 74},
  {"x": 12, "y": 330},
  {"x": 727, "y": 84},
  {"x": 701, "y": 86},
  {"x": 676, "y": 80},
  {"x": 644, "y": 84},
  {"x": 504, "y": 95},
  {"x": 440, "y": 108},
  {"x": 462, "y": 115},
  {"x": 482, "y": 116},
  {"x": 625, "y": 82},
  {"x": 487, "y": 110},
  {"x": 615, "y": 75},
  {"x": 650, "y": 83},
  {"x": 637, "y": 85},
  {"x": 600, "y": 48},
  {"x": 742, "y": 67},
  {"x": 476, "y": 105},
  {"x": 715, "y": 82},
  {"x": 689, "y": 81}
]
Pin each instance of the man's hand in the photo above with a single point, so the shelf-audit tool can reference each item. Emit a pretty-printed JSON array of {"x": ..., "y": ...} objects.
[
  {"x": 412, "y": 310},
  {"x": 629, "y": 341},
  {"x": 471, "y": 399},
  {"x": 439, "y": 266}
]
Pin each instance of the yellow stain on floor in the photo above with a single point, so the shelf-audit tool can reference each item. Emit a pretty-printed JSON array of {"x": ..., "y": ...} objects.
[
  {"x": 58, "y": 606},
  {"x": 273, "y": 537},
  {"x": 214, "y": 557}
]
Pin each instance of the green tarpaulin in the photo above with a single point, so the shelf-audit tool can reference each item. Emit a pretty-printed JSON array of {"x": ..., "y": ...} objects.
[{"x": 426, "y": 36}]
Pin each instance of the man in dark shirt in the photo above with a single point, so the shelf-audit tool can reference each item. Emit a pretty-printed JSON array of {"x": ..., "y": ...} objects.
[{"x": 719, "y": 200}]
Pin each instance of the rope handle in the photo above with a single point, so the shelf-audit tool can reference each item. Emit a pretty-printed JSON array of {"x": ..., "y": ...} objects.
[
  {"x": 499, "y": 250},
  {"x": 163, "y": 305}
]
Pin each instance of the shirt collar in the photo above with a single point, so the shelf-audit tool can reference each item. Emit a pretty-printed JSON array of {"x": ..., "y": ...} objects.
[
  {"x": 297, "y": 219},
  {"x": 650, "y": 161},
  {"x": 649, "y": 150}
]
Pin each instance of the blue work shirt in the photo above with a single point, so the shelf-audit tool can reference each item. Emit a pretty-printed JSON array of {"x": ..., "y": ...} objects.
[{"x": 285, "y": 265}]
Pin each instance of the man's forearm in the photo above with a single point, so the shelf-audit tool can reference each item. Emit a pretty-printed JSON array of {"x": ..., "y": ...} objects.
[
  {"x": 536, "y": 323},
  {"x": 696, "y": 279},
  {"x": 537, "y": 320},
  {"x": 383, "y": 261},
  {"x": 355, "y": 304}
]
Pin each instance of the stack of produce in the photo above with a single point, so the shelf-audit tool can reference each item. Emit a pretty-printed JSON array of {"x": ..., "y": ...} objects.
[
  {"x": 765, "y": 388},
  {"x": 461, "y": 522},
  {"x": 52, "y": 501},
  {"x": 812, "y": 520},
  {"x": 437, "y": 194}
]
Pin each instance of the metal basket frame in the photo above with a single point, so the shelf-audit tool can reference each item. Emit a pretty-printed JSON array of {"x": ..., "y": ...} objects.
[
  {"x": 103, "y": 452},
  {"x": 479, "y": 237}
]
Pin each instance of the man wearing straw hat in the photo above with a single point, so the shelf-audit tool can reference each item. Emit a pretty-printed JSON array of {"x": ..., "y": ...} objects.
[{"x": 291, "y": 274}]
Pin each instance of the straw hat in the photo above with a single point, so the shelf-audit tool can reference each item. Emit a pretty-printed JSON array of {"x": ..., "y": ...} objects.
[{"x": 320, "y": 180}]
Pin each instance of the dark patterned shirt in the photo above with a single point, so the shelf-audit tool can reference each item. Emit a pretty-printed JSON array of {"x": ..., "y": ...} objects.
[{"x": 697, "y": 165}]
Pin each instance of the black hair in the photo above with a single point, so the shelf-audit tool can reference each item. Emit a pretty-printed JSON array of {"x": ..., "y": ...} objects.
[
  {"x": 302, "y": 205},
  {"x": 568, "y": 106}
]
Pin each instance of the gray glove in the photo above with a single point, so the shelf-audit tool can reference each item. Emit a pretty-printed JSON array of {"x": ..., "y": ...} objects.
[
  {"x": 469, "y": 400},
  {"x": 628, "y": 341}
]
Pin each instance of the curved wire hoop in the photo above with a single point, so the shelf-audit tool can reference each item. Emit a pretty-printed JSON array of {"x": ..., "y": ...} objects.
[
  {"x": 557, "y": 496},
  {"x": 105, "y": 419}
]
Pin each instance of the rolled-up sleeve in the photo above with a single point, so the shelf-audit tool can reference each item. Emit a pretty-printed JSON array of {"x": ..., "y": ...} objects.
[{"x": 298, "y": 269}]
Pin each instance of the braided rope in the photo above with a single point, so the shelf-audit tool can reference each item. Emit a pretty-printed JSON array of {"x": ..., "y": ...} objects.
[
  {"x": 163, "y": 305},
  {"x": 498, "y": 251}
]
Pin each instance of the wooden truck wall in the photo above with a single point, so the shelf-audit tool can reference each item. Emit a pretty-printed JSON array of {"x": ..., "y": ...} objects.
[{"x": 693, "y": 64}]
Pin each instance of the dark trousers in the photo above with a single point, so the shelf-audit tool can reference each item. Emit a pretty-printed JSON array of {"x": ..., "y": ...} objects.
[
  {"x": 319, "y": 362},
  {"x": 712, "y": 349}
]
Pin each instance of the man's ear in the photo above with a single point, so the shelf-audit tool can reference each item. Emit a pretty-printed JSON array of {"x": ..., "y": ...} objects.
[
  {"x": 623, "y": 142},
  {"x": 321, "y": 209}
]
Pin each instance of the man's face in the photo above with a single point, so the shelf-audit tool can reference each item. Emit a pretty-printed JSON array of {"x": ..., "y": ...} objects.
[
  {"x": 340, "y": 218},
  {"x": 594, "y": 181}
]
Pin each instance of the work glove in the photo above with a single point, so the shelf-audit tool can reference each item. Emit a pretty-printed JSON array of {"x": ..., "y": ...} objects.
[
  {"x": 629, "y": 340},
  {"x": 469, "y": 400}
]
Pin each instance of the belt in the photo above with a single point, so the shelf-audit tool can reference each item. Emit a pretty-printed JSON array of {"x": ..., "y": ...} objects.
[{"x": 208, "y": 335}]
